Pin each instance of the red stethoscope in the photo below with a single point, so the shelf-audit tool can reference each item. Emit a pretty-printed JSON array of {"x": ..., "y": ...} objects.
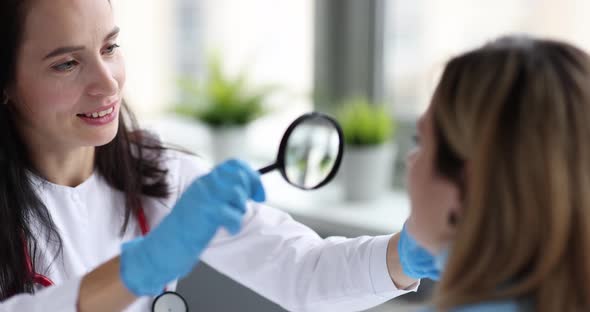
[{"x": 167, "y": 301}]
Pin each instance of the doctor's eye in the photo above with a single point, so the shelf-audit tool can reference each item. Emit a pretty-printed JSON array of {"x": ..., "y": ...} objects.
[
  {"x": 110, "y": 50},
  {"x": 66, "y": 66}
]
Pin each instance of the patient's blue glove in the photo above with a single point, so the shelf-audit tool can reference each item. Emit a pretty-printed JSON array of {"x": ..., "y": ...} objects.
[
  {"x": 171, "y": 250},
  {"x": 415, "y": 260}
]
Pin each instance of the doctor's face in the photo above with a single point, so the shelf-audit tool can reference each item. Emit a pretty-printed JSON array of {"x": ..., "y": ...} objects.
[
  {"x": 433, "y": 198},
  {"x": 69, "y": 74}
]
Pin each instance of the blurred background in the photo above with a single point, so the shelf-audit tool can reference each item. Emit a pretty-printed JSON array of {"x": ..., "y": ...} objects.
[{"x": 224, "y": 78}]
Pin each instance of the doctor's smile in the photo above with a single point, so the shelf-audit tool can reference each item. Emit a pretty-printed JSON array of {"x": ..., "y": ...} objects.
[{"x": 103, "y": 116}]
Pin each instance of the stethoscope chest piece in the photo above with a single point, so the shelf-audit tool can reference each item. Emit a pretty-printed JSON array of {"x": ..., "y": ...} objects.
[{"x": 169, "y": 301}]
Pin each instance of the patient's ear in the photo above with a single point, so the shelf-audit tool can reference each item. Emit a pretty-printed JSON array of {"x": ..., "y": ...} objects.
[
  {"x": 453, "y": 218},
  {"x": 456, "y": 211}
]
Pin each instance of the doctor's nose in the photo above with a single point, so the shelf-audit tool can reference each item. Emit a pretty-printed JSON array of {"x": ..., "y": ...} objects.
[{"x": 102, "y": 81}]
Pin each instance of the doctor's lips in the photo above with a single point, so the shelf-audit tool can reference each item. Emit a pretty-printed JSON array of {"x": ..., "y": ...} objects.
[{"x": 102, "y": 115}]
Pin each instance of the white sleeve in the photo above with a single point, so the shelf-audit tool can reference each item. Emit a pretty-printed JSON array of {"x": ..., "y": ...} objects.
[
  {"x": 288, "y": 263},
  {"x": 291, "y": 265},
  {"x": 63, "y": 298}
]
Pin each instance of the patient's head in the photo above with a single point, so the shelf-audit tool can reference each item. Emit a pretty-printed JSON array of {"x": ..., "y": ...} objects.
[{"x": 501, "y": 175}]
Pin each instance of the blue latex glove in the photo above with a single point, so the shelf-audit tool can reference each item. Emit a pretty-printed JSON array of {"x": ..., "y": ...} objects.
[
  {"x": 173, "y": 248},
  {"x": 415, "y": 260}
]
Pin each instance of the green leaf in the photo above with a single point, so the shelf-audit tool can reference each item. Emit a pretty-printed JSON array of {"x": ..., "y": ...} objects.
[
  {"x": 365, "y": 123},
  {"x": 220, "y": 100}
]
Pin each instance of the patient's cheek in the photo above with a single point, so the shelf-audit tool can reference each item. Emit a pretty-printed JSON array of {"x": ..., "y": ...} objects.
[
  {"x": 419, "y": 231},
  {"x": 429, "y": 217}
]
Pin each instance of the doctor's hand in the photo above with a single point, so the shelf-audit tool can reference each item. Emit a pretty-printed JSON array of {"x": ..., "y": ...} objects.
[
  {"x": 416, "y": 261},
  {"x": 173, "y": 248}
]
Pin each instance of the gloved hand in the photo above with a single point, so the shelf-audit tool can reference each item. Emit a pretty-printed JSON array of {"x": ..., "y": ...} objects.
[
  {"x": 171, "y": 250},
  {"x": 415, "y": 260}
]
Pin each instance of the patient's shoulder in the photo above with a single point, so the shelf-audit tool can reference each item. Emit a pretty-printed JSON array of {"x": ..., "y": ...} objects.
[
  {"x": 491, "y": 306},
  {"x": 505, "y": 305}
]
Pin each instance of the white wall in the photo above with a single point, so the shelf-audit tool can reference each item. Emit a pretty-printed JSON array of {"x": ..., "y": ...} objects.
[{"x": 145, "y": 35}]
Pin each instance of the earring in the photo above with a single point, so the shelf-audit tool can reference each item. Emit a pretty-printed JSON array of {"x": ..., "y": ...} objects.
[{"x": 4, "y": 98}]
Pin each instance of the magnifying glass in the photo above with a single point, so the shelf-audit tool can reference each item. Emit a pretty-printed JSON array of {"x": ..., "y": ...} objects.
[{"x": 310, "y": 151}]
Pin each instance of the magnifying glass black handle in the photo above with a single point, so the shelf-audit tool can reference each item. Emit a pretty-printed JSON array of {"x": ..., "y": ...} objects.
[{"x": 268, "y": 168}]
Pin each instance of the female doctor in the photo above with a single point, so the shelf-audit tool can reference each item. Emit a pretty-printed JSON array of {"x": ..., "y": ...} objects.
[{"x": 81, "y": 188}]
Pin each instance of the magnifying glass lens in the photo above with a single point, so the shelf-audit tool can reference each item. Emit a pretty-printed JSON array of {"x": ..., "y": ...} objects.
[{"x": 169, "y": 302}]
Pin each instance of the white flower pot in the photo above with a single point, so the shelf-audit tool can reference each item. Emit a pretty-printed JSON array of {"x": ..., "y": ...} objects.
[
  {"x": 228, "y": 142},
  {"x": 367, "y": 172}
]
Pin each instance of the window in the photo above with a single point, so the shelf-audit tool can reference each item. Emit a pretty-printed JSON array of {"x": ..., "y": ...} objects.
[
  {"x": 272, "y": 40},
  {"x": 421, "y": 35}
]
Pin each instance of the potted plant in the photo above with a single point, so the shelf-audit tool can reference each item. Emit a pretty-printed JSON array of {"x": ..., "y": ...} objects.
[
  {"x": 369, "y": 156},
  {"x": 226, "y": 105}
]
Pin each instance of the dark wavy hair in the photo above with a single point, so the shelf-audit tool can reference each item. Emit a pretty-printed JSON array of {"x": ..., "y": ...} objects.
[{"x": 129, "y": 163}]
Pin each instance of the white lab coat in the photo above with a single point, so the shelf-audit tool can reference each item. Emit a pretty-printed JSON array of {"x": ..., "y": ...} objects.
[{"x": 274, "y": 255}]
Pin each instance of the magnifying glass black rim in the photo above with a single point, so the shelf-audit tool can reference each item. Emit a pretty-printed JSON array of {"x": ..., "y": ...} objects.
[
  {"x": 165, "y": 293},
  {"x": 283, "y": 147}
]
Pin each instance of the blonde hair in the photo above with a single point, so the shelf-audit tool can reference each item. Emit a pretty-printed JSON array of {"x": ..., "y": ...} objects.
[{"x": 512, "y": 125}]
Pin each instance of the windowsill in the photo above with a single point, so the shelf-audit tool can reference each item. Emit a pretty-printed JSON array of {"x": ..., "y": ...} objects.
[{"x": 327, "y": 211}]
